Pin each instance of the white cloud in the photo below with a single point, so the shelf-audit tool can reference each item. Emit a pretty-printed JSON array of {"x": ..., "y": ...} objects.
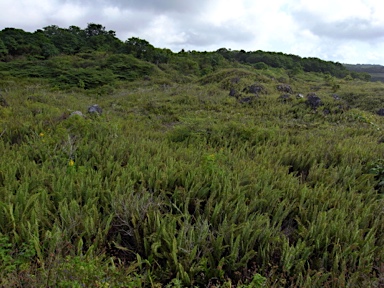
[
  {"x": 67, "y": 13},
  {"x": 335, "y": 30},
  {"x": 24, "y": 14}
]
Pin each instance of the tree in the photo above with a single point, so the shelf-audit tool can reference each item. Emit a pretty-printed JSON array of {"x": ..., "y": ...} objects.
[
  {"x": 100, "y": 39},
  {"x": 161, "y": 55},
  {"x": 67, "y": 41},
  {"x": 3, "y": 50},
  {"x": 18, "y": 42},
  {"x": 15, "y": 41},
  {"x": 94, "y": 30},
  {"x": 139, "y": 48},
  {"x": 44, "y": 45}
]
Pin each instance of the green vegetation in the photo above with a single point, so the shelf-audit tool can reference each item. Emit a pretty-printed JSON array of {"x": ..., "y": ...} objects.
[
  {"x": 374, "y": 72},
  {"x": 201, "y": 171}
]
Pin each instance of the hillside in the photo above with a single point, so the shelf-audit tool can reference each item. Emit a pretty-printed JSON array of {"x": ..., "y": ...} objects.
[
  {"x": 375, "y": 71},
  {"x": 195, "y": 169}
]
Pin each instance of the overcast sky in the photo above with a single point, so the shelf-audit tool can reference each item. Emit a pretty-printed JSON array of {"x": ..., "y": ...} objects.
[{"x": 346, "y": 31}]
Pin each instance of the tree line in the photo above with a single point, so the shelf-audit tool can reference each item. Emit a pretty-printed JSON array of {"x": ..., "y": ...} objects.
[{"x": 51, "y": 41}]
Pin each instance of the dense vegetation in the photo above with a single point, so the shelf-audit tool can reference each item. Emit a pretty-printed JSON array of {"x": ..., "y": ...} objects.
[
  {"x": 25, "y": 52},
  {"x": 204, "y": 169},
  {"x": 375, "y": 71}
]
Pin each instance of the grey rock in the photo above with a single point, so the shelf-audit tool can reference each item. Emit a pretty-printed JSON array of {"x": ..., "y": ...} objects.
[
  {"x": 76, "y": 113},
  {"x": 255, "y": 89},
  {"x": 284, "y": 88},
  {"x": 380, "y": 112},
  {"x": 3, "y": 102},
  {"x": 95, "y": 109},
  {"x": 233, "y": 92},
  {"x": 313, "y": 101}
]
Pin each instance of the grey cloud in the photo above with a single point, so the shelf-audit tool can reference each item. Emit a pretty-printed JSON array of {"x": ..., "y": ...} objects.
[
  {"x": 352, "y": 28},
  {"x": 207, "y": 36},
  {"x": 136, "y": 16},
  {"x": 162, "y": 6}
]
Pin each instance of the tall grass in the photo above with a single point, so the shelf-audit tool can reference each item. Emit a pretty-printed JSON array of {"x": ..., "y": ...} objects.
[{"x": 184, "y": 185}]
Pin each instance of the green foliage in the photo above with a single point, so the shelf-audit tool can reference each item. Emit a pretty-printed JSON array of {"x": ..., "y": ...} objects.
[
  {"x": 86, "y": 70},
  {"x": 377, "y": 169},
  {"x": 260, "y": 65},
  {"x": 51, "y": 41},
  {"x": 258, "y": 281},
  {"x": 3, "y": 50},
  {"x": 67, "y": 41},
  {"x": 179, "y": 184}
]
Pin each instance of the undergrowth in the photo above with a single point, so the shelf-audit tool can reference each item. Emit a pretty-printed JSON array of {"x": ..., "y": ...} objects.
[{"x": 183, "y": 185}]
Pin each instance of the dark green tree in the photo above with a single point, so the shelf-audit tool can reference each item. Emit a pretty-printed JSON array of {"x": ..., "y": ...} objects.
[
  {"x": 21, "y": 43},
  {"x": 43, "y": 45},
  {"x": 67, "y": 41},
  {"x": 100, "y": 39},
  {"x": 15, "y": 41},
  {"x": 95, "y": 30},
  {"x": 3, "y": 50},
  {"x": 161, "y": 56},
  {"x": 139, "y": 48}
]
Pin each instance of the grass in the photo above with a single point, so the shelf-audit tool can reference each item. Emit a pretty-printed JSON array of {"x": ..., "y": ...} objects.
[{"x": 182, "y": 185}]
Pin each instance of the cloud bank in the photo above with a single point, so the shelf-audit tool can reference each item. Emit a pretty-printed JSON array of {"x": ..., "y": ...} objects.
[{"x": 347, "y": 32}]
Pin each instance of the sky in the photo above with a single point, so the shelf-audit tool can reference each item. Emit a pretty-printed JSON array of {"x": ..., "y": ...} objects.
[{"x": 336, "y": 30}]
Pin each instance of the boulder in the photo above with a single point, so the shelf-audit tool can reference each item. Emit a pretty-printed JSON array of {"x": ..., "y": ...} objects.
[
  {"x": 95, "y": 109},
  {"x": 76, "y": 113},
  {"x": 254, "y": 89},
  {"x": 313, "y": 101},
  {"x": 233, "y": 92},
  {"x": 3, "y": 102},
  {"x": 380, "y": 112},
  {"x": 284, "y": 88}
]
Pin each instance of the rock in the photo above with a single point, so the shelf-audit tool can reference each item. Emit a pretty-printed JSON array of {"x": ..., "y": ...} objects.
[
  {"x": 380, "y": 112},
  {"x": 313, "y": 101},
  {"x": 3, "y": 102},
  {"x": 76, "y": 113},
  {"x": 254, "y": 89},
  {"x": 233, "y": 92},
  {"x": 284, "y": 88},
  {"x": 95, "y": 109},
  {"x": 299, "y": 96}
]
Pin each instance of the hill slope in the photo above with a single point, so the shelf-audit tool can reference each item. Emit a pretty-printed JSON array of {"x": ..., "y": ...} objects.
[
  {"x": 198, "y": 171},
  {"x": 376, "y": 71}
]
